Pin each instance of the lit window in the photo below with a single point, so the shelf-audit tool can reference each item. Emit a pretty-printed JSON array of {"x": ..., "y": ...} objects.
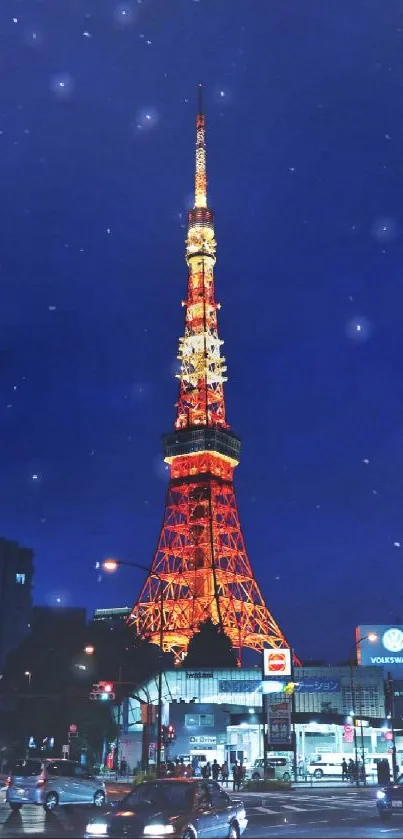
[{"x": 20, "y": 578}]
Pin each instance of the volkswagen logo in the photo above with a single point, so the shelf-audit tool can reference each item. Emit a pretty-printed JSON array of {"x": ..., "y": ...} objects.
[{"x": 392, "y": 640}]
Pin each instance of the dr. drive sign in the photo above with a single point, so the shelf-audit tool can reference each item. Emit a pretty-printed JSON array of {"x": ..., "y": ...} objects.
[{"x": 387, "y": 648}]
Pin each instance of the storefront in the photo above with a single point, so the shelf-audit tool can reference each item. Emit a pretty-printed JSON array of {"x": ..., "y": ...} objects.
[{"x": 219, "y": 714}]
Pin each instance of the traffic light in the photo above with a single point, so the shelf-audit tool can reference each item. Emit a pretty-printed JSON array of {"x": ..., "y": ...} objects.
[
  {"x": 289, "y": 689},
  {"x": 103, "y": 691},
  {"x": 168, "y": 734}
]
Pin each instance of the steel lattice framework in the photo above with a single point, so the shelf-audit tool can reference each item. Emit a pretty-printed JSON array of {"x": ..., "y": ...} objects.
[{"x": 201, "y": 559}]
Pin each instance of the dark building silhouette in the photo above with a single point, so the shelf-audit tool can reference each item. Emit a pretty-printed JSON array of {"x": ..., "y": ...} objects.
[
  {"x": 58, "y": 619},
  {"x": 16, "y": 573}
]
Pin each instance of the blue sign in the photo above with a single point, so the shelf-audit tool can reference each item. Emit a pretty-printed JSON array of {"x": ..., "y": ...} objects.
[
  {"x": 311, "y": 685},
  {"x": 246, "y": 686},
  {"x": 380, "y": 645}
]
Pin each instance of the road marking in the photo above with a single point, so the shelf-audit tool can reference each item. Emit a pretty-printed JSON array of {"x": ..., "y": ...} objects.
[
  {"x": 296, "y": 809},
  {"x": 267, "y": 811}
]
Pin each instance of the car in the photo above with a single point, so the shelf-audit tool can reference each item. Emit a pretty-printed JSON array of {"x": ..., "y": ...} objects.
[
  {"x": 176, "y": 807},
  {"x": 277, "y": 767},
  {"x": 389, "y": 799},
  {"x": 53, "y": 782}
]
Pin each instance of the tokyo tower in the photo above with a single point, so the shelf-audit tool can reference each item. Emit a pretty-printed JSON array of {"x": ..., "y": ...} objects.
[{"x": 201, "y": 559}]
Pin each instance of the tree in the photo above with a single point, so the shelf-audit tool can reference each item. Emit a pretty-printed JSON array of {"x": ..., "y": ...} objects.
[
  {"x": 210, "y": 647},
  {"x": 49, "y": 678}
]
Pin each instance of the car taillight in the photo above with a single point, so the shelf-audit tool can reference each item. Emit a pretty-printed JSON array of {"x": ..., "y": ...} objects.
[{"x": 41, "y": 782}]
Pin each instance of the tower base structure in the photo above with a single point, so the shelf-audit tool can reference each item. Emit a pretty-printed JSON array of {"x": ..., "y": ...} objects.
[{"x": 201, "y": 559}]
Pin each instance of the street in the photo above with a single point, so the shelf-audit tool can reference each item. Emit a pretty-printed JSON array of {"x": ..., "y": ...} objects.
[{"x": 308, "y": 814}]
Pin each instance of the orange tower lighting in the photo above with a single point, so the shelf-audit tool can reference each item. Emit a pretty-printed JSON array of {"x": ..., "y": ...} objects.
[{"x": 201, "y": 559}]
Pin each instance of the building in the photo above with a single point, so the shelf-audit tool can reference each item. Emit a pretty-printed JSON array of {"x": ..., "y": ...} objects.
[
  {"x": 112, "y": 616},
  {"x": 16, "y": 574},
  {"x": 219, "y": 713},
  {"x": 201, "y": 568},
  {"x": 49, "y": 619}
]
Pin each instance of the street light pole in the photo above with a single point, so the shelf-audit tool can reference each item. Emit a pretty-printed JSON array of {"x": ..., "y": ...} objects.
[
  {"x": 353, "y": 655},
  {"x": 112, "y": 565},
  {"x": 352, "y": 687}
]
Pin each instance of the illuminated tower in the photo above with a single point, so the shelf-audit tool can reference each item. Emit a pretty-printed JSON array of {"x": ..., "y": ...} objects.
[{"x": 201, "y": 559}]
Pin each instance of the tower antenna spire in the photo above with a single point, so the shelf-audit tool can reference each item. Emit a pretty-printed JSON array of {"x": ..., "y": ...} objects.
[
  {"x": 200, "y": 172},
  {"x": 200, "y": 98}
]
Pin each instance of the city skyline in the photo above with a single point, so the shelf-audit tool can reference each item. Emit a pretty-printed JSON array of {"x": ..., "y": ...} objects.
[{"x": 306, "y": 187}]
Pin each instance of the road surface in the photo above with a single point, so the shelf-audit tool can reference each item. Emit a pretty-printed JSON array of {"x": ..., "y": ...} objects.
[{"x": 298, "y": 814}]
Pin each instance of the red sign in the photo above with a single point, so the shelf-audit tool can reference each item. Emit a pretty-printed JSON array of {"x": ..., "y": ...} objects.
[
  {"x": 73, "y": 729},
  {"x": 348, "y": 734},
  {"x": 276, "y": 662}
]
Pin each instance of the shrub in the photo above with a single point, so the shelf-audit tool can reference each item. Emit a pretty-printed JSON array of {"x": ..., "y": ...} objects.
[
  {"x": 267, "y": 785},
  {"x": 141, "y": 776}
]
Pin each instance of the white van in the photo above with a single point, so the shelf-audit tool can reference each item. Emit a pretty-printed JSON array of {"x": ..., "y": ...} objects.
[
  {"x": 277, "y": 767},
  {"x": 328, "y": 763}
]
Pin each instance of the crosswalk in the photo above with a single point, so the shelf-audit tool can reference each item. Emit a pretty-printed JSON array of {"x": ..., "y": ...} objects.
[
  {"x": 34, "y": 822},
  {"x": 273, "y": 804}
]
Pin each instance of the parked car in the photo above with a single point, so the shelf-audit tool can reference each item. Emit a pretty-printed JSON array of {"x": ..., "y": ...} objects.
[
  {"x": 277, "y": 767},
  {"x": 389, "y": 800},
  {"x": 176, "y": 807},
  {"x": 53, "y": 782}
]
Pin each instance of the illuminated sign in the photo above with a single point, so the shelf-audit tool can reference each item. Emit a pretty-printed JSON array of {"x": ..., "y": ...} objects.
[
  {"x": 279, "y": 732},
  {"x": 244, "y": 686},
  {"x": 277, "y": 662},
  {"x": 380, "y": 645},
  {"x": 312, "y": 685},
  {"x": 199, "y": 675},
  {"x": 203, "y": 740}
]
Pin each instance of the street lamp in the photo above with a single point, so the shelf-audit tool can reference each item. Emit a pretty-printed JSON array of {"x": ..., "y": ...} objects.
[
  {"x": 353, "y": 655},
  {"x": 28, "y": 674},
  {"x": 112, "y": 565}
]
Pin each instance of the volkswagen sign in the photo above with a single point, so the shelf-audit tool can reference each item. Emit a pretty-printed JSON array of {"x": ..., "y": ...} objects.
[{"x": 385, "y": 650}]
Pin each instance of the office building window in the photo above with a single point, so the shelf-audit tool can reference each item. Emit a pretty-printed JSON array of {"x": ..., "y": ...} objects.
[
  {"x": 206, "y": 720},
  {"x": 20, "y": 578}
]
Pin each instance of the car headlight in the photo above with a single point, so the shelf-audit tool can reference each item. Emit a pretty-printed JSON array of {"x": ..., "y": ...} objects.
[
  {"x": 242, "y": 814},
  {"x": 97, "y": 829},
  {"x": 158, "y": 830},
  {"x": 381, "y": 794}
]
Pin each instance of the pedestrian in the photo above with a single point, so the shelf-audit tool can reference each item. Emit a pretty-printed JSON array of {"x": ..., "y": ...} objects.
[
  {"x": 215, "y": 770},
  {"x": 224, "y": 773},
  {"x": 344, "y": 770},
  {"x": 351, "y": 770},
  {"x": 237, "y": 774},
  {"x": 206, "y": 771}
]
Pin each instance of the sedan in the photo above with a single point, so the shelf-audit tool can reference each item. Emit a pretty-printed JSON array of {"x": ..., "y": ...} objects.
[
  {"x": 390, "y": 799},
  {"x": 176, "y": 807}
]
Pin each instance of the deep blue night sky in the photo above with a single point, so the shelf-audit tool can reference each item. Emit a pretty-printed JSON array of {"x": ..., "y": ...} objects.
[{"x": 305, "y": 160}]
